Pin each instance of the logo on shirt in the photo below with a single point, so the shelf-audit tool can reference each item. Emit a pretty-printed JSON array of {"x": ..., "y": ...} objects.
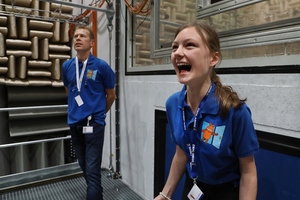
[
  {"x": 91, "y": 74},
  {"x": 212, "y": 134}
]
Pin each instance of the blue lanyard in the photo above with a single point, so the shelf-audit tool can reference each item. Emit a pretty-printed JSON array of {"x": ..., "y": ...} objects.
[
  {"x": 191, "y": 145},
  {"x": 79, "y": 78}
]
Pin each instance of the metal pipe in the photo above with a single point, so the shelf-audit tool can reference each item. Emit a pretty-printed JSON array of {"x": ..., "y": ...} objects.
[
  {"x": 117, "y": 103},
  {"x": 33, "y": 142},
  {"x": 33, "y": 107},
  {"x": 79, "y": 5},
  {"x": 110, "y": 28}
]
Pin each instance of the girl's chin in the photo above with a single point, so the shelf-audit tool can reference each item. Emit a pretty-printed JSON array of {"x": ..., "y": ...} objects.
[{"x": 183, "y": 80}]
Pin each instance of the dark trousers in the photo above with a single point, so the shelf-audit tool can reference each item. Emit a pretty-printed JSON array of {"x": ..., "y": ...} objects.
[
  {"x": 226, "y": 191},
  {"x": 88, "y": 150}
]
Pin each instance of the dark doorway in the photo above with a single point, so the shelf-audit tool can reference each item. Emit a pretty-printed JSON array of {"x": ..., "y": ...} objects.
[{"x": 164, "y": 151}]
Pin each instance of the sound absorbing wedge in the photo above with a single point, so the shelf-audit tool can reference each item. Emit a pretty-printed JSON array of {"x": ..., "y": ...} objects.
[
  {"x": 44, "y": 49},
  {"x": 55, "y": 69},
  {"x": 18, "y": 53},
  {"x": 3, "y": 70},
  {"x": 39, "y": 64},
  {"x": 40, "y": 25},
  {"x": 24, "y": 3},
  {"x": 59, "y": 47},
  {"x": 12, "y": 30},
  {"x": 22, "y": 28},
  {"x": 18, "y": 10},
  {"x": 64, "y": 32},
  {"x": 56, "y": 32},
  {"x": 34, "y": 48},
  {"x": 55, "y": 83},
  {"x": 16, "y": 82},
  {"x": 40, "y": 34},
  {"x": 45, "y": 6},
  {"x": 4, "y": 30},
  {"x": 35, "y": 8},
  {"x": 3, "y": 60},
  {"x": 62, "y": 8},
  {"x": 34, "y": 81},
  {"x": 11, "y": 67},
  {"x": 15, "y": 43},
  {"x": 21, "y": 67},
  {"x": 38, "y": 73},
  {"x": 2, "y": 50},
  {"x": 59, "y": 56},
  {"x": 3, "y": 20}
]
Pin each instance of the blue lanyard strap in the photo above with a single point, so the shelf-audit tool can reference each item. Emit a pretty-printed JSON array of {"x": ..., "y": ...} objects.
[{"x": 191, "y": 145}]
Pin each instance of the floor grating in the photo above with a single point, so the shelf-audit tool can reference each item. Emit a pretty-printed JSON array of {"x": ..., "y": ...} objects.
[{"x": 73, "y": 189}]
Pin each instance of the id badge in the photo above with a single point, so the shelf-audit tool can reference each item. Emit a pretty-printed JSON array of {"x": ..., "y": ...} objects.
[
  {"x": 87, "y": 130},
  {"x": 78, "y": 100},
  {"x": 195, "y": 193}
]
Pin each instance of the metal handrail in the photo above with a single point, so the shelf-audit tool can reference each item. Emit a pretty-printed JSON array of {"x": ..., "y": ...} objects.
[
  {"x": 33, "y": 107},
  {"x": 33, "y": 142}
]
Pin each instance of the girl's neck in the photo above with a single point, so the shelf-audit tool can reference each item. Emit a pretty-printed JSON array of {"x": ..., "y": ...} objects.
[{"x": 196, "y": 94}]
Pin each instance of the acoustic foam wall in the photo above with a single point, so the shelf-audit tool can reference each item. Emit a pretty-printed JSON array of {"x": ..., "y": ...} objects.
[{"x": 34, "y": 37}]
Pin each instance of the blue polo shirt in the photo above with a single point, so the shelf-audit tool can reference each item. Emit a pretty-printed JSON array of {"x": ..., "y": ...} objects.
[
  {"x": 219, "y": 142},
  {"x": 98, "y": 76}
]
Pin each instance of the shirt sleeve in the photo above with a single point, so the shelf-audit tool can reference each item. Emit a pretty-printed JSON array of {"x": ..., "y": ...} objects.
[
  {"x": 64, "y": 74},
  {"x": 109, "y": 76},
  {"x": 244, "y": 135}
]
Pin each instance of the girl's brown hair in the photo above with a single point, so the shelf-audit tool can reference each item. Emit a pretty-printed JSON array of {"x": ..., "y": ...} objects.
[{"x": 225, "y": 94}]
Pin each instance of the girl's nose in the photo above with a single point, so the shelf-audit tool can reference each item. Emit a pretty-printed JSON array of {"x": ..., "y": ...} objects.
[{"x": 179, "y": 52}]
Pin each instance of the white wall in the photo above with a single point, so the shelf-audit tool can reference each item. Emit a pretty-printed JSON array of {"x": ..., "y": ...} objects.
[
  {"x": 140, "y": 96},
  {"x": 274, "y": 100}
]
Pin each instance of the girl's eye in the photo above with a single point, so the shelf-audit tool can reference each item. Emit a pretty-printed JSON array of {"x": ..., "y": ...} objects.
[
  {"x": 190, "y": 44},
  {"x": 174, "y": 47}
]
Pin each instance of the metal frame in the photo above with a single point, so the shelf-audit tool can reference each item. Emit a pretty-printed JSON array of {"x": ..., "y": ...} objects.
[
  {"x": 33, "y": 141},
  {"x": 13, "y": 181},
  {"x": 212, "y": 9},
  {"x": 39, "y": 175},
  {"x": 280, "y": 32},
  {"x": 222, "y": 6},
  {"x": 107, "y": 11},
  {"x": 285, "y": 31},
  {"x": 33, "y": 107},
  {"x": 155, "y": 50}
]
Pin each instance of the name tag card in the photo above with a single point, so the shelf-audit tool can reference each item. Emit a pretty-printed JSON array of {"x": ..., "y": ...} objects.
[
  {"x": 87, "y": 130},
  {"x": 78, "y": 100},
  {"x": 195, "y": 193}
]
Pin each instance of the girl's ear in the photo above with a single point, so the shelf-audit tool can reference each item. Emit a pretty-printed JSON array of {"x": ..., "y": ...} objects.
[{"x": 215, "y": 57}]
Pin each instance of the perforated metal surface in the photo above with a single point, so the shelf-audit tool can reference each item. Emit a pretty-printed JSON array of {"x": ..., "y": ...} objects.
[{"x": 73, "y": 189}]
